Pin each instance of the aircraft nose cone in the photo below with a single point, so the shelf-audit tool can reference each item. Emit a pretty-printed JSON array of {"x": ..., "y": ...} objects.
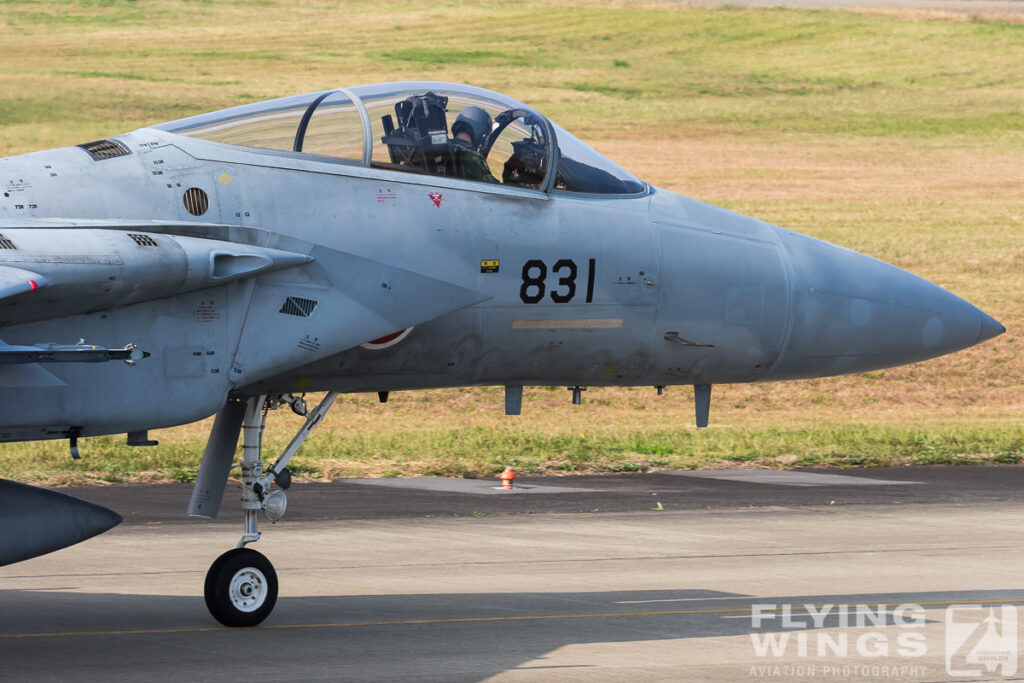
[
  {"x": 990, "y": 327},
  {"x": 853, "y": 313}
]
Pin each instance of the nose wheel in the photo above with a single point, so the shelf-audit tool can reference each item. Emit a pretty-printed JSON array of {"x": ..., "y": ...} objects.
[
  {"x": 241, "y": 588},
  {"x": 241, "y": 585}
]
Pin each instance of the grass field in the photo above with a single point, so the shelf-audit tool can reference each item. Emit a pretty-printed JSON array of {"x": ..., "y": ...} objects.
[{"x": 899, "y": 134}]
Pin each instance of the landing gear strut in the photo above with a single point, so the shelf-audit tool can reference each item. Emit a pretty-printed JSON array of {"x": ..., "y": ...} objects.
[{"x": 241, "y": 585}]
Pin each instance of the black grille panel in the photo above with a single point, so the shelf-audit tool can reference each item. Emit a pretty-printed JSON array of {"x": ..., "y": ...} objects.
[
  {"x": 105, "y": 149},
  {"x": 6, "y": 243},
  {"x": 142, "y": 240},
  {"x": 295, "y": 305}
]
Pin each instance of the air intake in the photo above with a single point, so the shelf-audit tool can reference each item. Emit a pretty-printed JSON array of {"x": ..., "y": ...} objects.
[
  {"x": 298, "y": 306},
  {"x": 105, "y": 149},
  {"x": 5, "y": 243}
]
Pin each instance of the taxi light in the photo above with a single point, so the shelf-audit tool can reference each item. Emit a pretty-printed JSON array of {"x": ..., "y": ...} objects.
[{"x": 275, "y": 505}]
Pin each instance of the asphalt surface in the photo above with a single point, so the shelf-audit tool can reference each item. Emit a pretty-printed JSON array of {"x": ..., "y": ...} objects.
[
  {"x": 355, "y": 499},
  {"x": 413, "y": 581}
]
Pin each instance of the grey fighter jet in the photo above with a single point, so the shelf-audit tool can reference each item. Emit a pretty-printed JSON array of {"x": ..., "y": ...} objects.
[{"x": 380, "y": 238}]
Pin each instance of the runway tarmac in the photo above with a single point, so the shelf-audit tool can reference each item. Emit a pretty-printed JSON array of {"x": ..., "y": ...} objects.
[{"x": 410, "y": 581}]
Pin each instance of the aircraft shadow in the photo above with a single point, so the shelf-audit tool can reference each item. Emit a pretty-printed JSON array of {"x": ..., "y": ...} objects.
[{"x": 57, "y": 634}]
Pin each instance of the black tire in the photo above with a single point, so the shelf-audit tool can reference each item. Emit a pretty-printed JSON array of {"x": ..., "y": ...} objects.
[{"x": 241, "y": 588}]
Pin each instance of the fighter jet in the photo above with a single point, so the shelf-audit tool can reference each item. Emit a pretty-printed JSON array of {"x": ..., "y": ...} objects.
[{"x": 383, "y": 238}]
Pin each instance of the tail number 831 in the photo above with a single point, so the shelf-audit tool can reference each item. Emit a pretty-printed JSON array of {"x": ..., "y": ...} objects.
[{"x": 535, "y": 275}]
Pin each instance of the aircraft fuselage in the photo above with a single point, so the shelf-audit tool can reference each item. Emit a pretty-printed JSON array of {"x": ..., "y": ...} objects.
[{"x": 580, "y": 290}]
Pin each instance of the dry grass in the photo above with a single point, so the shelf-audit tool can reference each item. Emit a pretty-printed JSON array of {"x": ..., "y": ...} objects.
[{"x": 897, "y": 134}]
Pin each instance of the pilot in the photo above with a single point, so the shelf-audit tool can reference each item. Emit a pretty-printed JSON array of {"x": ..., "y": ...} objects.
[{"x": 470, "y": 130}]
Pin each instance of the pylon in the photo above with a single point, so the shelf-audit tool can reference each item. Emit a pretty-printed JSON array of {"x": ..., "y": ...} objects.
[{"x": 507, "y": 478}]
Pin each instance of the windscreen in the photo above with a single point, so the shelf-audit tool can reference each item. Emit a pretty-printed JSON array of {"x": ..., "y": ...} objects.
[{"x": 582, "y": 169}]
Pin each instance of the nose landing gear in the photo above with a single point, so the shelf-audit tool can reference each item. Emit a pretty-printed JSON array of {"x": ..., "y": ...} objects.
[{"x": 241, "y": 585}]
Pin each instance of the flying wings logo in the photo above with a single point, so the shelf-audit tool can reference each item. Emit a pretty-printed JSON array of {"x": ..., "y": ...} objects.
[
  {"x": 887, "y": 641},
  {"x": 436, "y": 198},
  {"x": 981, "y": 640}
]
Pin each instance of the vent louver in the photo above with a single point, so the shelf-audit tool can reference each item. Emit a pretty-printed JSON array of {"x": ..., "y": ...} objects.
[
  {"x": 196, "y": 201},
  {"x": 298, "y": 306},
  {"x": 142, "y": 240},
  {"x": 6, "y": 243},
  {"x": 105, "y": 149}
]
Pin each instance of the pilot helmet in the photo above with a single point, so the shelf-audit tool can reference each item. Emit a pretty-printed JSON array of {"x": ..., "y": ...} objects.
[{"x": 474, "y": 121}]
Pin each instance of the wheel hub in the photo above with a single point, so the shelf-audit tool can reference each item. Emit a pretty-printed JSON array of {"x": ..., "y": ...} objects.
[{"x": 248, "y": 589}]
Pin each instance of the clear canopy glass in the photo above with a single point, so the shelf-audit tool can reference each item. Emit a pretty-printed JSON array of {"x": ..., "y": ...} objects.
[
  {"x": 333, "y": 128},
  {"x": 268, "y": 125},
  {"x": 428, "y": 128}
]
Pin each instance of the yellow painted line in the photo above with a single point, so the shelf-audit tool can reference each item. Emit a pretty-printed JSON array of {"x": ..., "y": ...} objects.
[
  {"x": 645, "y": 602},
  {"x": 568, "y": 324},
  {"x": 473, "y": 620}
]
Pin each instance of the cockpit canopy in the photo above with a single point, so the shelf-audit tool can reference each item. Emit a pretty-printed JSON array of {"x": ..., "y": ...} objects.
[{"x": 420, "y": 127}]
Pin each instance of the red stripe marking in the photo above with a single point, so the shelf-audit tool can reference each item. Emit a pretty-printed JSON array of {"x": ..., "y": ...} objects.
[{"x": 386, "y": 338}]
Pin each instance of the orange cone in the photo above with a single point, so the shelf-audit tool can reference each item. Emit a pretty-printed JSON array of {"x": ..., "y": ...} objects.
[{"x": 507, "y": 478}]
